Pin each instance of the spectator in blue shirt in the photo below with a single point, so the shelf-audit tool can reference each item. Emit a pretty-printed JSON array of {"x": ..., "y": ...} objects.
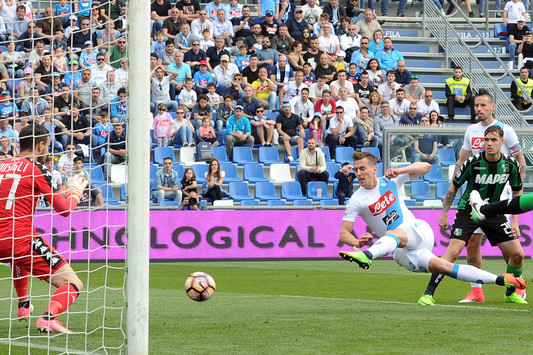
[
  {"x": 238, "y": 131},
  {"x": 202, "y": 78},
  {"x": 388, "y": 58},
  {"x": 212, "y": 8}
]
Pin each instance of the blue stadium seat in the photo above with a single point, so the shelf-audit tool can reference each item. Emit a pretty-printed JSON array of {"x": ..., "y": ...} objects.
[
  {"x": 96, "y": 174},
  {"x": 231, "y": 172},
  {"x": 271, "y": 115},
  {"x": 332, "y": 169},
  {"x": 268, "y": 155},
  {"x": 153, "y": 171},
  {"x": 169, "y": 203},
  {"x": 447, "y": 156},
  {"x": 250, "y": 203},
  {"x": 326, "y": 153},
  {"x": 435, "y": 175},
  {"x": 239, "y": 191},
  {"x": 243, "y": 155},
  {"x": 442, "y": 189},
  {"x": 265, "y": 190},
  {"x": 179, "y": 169},
  {"x": 254, "y": 173},
  {"x": 329, "y": 202},
  {"x": 219, "y": 153},
  {"x": 380, "y": 169},
  {"x": 160, "y": 153},
  {"x": 291, "y": 190},
  {"x": 200, "y": 170},
  {"x": 373, "y": 150},
  {"x": 154, "y": 142},
  {"x": 295, "y": 155},
  {"x": 173, "y": 114},
  {"x": 411, "y": 48},
  {"x": 302, "y": 202},
  {"x": 276, "y": 203},
  {"x": 410, "y": 202},
  {"x": 344, "y": 154},
  {"x": 500, "y": 28},
  {"x": 123, "y": 192},
  {"x": 421, "y": 191},
  {"x": 425, "y": 63},
  {"x": 109, "y": 196},
  {"x": 313, "y": 187}
]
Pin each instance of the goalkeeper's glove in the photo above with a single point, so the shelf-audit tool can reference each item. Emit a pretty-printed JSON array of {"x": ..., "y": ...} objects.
[{"x": 75, "y": 186}]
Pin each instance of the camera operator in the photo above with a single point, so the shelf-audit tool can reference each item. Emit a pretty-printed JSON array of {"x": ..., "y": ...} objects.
[
  {"x": 526, "y": 48},
  {"x": 191, "y": 203}
]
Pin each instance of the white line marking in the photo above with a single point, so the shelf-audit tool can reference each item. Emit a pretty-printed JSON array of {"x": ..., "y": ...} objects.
[
  {"x": 377, "y": 301},
  {"x": 42, "y": 347}
]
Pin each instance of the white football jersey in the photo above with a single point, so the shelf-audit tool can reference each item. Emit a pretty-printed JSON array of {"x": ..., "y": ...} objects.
[
  {"x": 381, "y": 208},
  {"x": 474, "y": 140}
]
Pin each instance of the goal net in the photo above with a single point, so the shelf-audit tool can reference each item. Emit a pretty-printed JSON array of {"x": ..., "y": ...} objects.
[{"x": 69, "y": 72}]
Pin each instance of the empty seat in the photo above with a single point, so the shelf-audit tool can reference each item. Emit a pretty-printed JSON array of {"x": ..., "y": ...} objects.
[
  {"x": 302, "y": 202},
  {"x": 187, "y": 155},
  {"x": 200, "y": 170},
  {"x": 435, "y": 175},
  {"x": 344, "y": 155},
  {"x": 96, "y": 173},
  {"x": 329, "y": 202},
  {"x": 153, "y": 171},
  {"x": 268, "y": 156},
  {"x": 223, "y": 203},
  {"x": 160, "y": 153},
  {"x": 280, "y": 173},
  {"x": 118, "y": 174},
  {"x": 291, "y": 190},
  {"x": 169, "y": 203},
  {"x": 332, "y": 169},
  {"x": 447, "y": 156},
  {"x": 276, "y": 203},
  {"x": 108, "y": 195},
  {"x": 231, "y": 172},
  {"x": 219, "y": 153},
  {"x": 179, "y": 169},
  {"x": 265, "y": 190},
  {"x": 254, "y": 173},
  {"x": 325, "y": 150},
  {"x": 317, "y": 190},
  {"x": 250, "y": 203},
  {"x": 239, "y": 191},
  {"x": 373, "y": 150},
  {"x": 421, "y": 191},
  {"x": 123, "y": 192},
  {"x": 243, "y": 155}
]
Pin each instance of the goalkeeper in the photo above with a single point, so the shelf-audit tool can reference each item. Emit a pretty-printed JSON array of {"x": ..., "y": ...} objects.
[{"x": 23, "y": 180}]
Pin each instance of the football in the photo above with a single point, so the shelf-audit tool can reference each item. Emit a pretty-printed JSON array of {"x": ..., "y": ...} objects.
[{"x": 200, "y": 286}]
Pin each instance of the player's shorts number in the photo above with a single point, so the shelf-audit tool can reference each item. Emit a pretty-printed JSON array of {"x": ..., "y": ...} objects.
[
  {"x": 11, "y": 197},
  {"x": 507, "y": 229}
]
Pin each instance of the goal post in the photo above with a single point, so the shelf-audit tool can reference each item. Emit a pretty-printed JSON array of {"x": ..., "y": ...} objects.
[{"x": 138, "y": 177}]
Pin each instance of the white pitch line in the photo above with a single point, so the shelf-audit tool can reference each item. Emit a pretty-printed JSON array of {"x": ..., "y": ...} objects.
[
  {"x": 42, "y": 347},
  {"x": 377, "y": 301}
]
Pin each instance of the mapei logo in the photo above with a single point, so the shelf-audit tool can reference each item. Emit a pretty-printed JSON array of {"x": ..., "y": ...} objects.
[
  {"x": 478, "y": 143},
  {"x": 383, "y": 203}
]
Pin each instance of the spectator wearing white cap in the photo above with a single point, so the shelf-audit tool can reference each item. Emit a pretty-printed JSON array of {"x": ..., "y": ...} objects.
[
  {"x": 516, "y": 37},
  {"x": 224, "y": 74},
  {"x": 512, "y": 12}
]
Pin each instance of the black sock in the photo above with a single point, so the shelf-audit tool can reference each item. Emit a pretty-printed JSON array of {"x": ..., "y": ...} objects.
[
  {"x": 24, "y": 304},
  {"x": 500, "y": 281},
  {"x": 510, "y": 290},
  {"x": 433, "y": 283},
  {"x": 511, "y": 206}
]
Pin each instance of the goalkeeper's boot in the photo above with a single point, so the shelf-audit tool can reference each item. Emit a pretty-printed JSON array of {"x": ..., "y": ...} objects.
[
  {"x": 514, "y": 281},
  {"x": 358, "y": 256},
  {"x": 52, "y": 326},
  {"x": 23, "y": 313},
  {"x": 426, "y": 300},
  {"x": 474, "y": 296},
  {"x": 514, "y": 298},
  {"x": 476, "y": 202},
  {"x": 521, "y": 293}
]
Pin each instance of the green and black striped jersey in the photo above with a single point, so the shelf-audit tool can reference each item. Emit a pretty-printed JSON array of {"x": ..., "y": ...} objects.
[{"x": 486, "y": 177}]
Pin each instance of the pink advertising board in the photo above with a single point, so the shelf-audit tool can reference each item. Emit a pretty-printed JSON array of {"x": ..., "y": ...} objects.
[{"x": 246, "y": 234}]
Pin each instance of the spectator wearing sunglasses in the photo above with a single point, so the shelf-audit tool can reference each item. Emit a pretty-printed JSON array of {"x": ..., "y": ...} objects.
[
  {"x": 428, "y": 104},
  {"x": 414, "y": 92}
]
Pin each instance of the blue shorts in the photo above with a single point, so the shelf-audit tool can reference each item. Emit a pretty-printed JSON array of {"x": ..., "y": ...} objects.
[{"x": 292, "y": 141}]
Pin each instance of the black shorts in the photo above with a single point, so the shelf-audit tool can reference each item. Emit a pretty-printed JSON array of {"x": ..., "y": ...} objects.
[{"x": 497, "y": 229}]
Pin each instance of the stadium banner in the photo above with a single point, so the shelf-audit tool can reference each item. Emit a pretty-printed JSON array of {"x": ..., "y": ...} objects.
[{"x": 244, "y": 234}]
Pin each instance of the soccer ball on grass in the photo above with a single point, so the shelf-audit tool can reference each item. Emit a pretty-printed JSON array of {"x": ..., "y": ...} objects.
[{"x": 200, "y": 286}]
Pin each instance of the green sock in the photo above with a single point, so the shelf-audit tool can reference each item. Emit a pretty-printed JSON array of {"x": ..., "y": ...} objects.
[{"x": 516, "y": 271}]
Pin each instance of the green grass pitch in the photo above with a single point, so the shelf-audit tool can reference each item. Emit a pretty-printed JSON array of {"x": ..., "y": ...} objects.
[{"x": 295, "y": 307}]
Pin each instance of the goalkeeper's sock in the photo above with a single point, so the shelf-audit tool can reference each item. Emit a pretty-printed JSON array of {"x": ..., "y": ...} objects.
[
  {"x": 62, "y": 299},
  {"x": 433, "y": 283},
  {"x": 24, "y": 304},
  {"x": 385, "y": 245},
  {"x": 471, "y": 273},
  {"x": 516, "y": 271}
]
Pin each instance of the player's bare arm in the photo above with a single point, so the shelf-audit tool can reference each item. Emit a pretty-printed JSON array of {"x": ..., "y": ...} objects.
[
  {"x": 446, "y": 204},
  {"x": 414, "y": 170},
  {"x": 462, "y": 158},
  {"x": 347, "y": 237}
]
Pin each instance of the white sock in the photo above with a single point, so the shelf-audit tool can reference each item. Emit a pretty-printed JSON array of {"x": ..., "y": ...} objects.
[
  {"x": 476, "y": 285},
  {"x": 385, "y": 245},
  {"x": 471, "y": 273}
]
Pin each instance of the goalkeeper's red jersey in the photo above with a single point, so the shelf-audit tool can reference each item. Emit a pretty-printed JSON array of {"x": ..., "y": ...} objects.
[{"x": 22, "y": 181}]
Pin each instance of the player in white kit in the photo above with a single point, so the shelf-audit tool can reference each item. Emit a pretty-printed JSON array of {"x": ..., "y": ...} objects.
[
  {"x": 473, "y": 143},
  {"x": 410, "y": 240}
]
